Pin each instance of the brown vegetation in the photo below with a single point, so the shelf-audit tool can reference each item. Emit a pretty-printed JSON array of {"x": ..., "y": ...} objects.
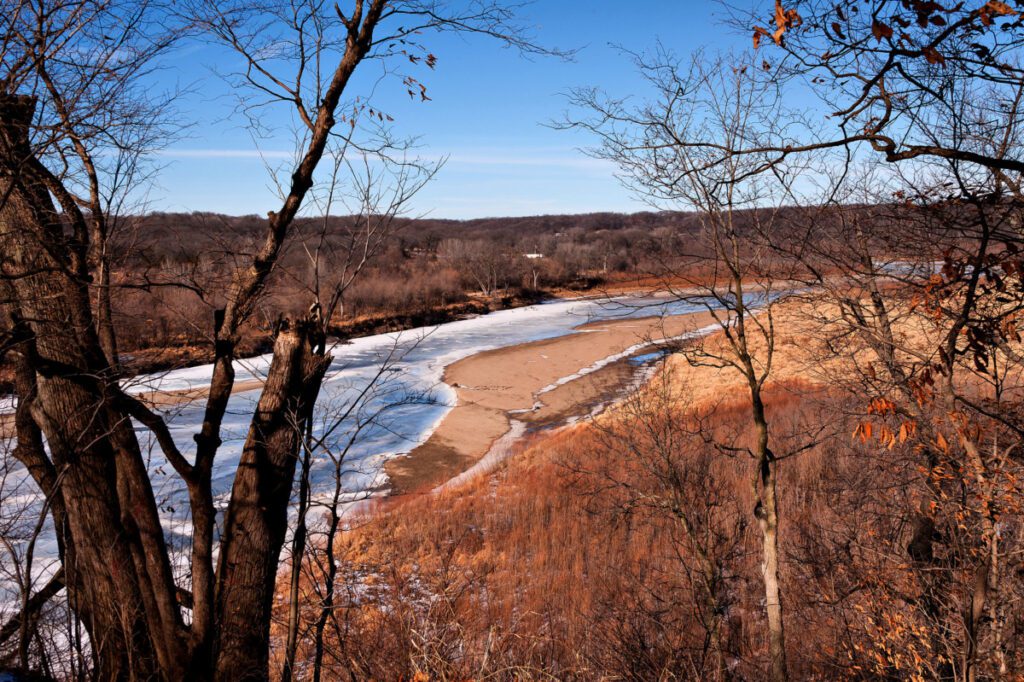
[
  {"x": 71, "y": 103},
  {"x": 622, "y": 548},
  {"x": 829, "y": 488}
]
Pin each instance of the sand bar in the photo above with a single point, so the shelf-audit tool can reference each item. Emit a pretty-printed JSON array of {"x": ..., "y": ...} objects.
[{"x": 494, "y": 386}]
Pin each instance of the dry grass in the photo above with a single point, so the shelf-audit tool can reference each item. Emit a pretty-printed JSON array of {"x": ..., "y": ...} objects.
[{"x": 561, "y": 566}]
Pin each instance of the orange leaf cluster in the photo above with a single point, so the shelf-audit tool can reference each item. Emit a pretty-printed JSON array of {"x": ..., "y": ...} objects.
[
  {"x": 785, "y": 19},
  {"x": 994, "y": 8},
  {"x": 886, "y": 436},
  {"x": 880, "y": 30},
  {"x": 882, "y": 406}
]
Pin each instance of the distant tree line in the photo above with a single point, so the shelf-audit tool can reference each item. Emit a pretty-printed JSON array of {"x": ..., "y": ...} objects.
[{"x": 427, "y": 264}]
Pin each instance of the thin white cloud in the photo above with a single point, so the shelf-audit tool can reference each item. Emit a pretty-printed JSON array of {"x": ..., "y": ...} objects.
[
  {"x": 495, "y": 157},
  {"x": 225, "y": 154}
]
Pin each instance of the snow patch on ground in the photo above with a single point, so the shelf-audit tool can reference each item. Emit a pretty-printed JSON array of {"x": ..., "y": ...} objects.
[{"x": 604, "y": 362}]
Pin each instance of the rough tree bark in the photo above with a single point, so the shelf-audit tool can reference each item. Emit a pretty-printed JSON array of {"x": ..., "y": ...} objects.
[
  {"x": 55, "y": 277},
  {"x": 95, "y": 476},
  {"x": 120, "y": 569},
  {"x": 254, "y": 530},
  {"x": 104, "y": 488}
]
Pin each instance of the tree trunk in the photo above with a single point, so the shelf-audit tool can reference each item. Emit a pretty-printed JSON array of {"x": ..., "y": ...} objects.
[
  {"x": 767, "y": 514},
  {"x": 256, "y": 521},
  {"x": 768, "y": 520},
  {"x": 327, "y": 605},
  {"x": 105, "y": 316},
  {"x": 298, "y": 554},
  {"x": 120, "y": 563}
]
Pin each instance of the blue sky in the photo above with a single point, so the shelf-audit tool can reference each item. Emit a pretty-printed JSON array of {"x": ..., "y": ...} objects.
[{"x": 488, "y": 112}]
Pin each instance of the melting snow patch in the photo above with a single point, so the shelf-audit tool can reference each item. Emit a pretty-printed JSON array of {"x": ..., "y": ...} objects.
[{"x": 604, "y": 362}]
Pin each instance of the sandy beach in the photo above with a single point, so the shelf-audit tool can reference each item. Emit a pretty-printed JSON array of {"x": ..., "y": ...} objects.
[{"x": 528, "y": 383}]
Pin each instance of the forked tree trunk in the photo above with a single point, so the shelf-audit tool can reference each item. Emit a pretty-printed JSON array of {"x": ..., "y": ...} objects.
[
  {"x": 257, "y": 518},
  {"x": 116, "y": 562}
]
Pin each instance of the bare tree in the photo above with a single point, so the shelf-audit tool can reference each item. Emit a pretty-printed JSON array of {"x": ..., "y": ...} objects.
[
  {"x": 374, "y": 206},
  {"x": 884, "y": 71},
  {"x": 726, "y": 266},
  {"x": 343, "y": 426},
  {"x": 932, "y": 91},
  {"x": 91, "y": 470},
  {"x": 918, "y": 298},
  {"x": 488, "y": 265},
  {"x": 95, "y": 125},
  {"x": 935, "y": 93},
  {"x": 669, "y": 470}
]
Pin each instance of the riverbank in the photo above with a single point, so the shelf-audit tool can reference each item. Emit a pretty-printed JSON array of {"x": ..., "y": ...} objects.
[
  {"x": 254, "y": 342},
  {"x": 577, "y": 368},
  {"x": 535, "y": 384}
]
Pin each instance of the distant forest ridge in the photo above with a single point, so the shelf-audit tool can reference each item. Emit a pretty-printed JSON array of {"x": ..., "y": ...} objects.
[{"x": 158, "y": 224}]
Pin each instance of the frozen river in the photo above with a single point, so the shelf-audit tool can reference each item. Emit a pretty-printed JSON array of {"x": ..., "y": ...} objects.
[
  {"x": 381, "y": 397},
  {"x": 383, "y": 394}
]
